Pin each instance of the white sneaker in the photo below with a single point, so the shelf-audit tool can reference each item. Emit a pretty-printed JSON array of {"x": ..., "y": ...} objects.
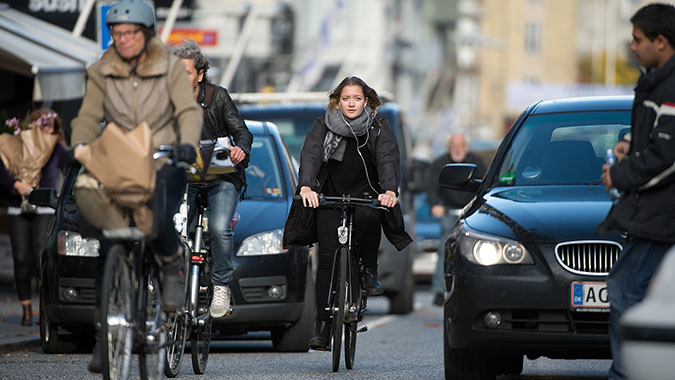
[{"x": 220, "y": 305}]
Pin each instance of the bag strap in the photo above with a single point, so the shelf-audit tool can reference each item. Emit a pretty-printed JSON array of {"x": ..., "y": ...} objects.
[{"x": 208, "y": 94}]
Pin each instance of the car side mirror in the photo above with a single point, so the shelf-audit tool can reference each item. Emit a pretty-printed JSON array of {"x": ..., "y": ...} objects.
[
  {"x": 45, "y": 197},
  {"x": 459, "y": 177}
]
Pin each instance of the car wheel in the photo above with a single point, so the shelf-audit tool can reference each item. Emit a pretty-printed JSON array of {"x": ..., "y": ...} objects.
[
  {"x": 465, "y": 364},
  {"x": 402, "y": 301},
  {"x": 296, "y": 337},
  {"x": 50, "y": 340}
]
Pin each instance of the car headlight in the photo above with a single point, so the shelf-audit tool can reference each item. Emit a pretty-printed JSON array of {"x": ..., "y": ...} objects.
[
  {"x": 71, "y": 243},
  {"x": 492, "y": 250},
  {"x": 264, "y": 243}
]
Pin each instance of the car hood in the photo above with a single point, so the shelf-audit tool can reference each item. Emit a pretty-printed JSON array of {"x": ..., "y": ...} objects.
[
  {"x": 546, "y": 213},
  {"x": 259, "y": 216}
]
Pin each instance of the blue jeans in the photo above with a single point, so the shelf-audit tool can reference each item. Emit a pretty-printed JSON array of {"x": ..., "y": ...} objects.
[
  {"x": 626, "y": 286},
  {"x": 222, "y": 197},
  {"x": 447, "y": 222}
]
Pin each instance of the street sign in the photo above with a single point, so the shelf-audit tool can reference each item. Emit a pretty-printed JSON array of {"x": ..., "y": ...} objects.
[{"x": 103, "y": 34}]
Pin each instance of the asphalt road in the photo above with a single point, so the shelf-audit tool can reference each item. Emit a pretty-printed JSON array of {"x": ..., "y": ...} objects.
[{"x": 395, "y": 347}]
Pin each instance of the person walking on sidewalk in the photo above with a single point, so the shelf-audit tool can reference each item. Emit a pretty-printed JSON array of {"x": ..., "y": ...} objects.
[
  {"x": 221, "y": 119},
  {"x": 445, "y": 204},
  {"x": 20, "y": 173},
  {"x": 644, "y": 171}
]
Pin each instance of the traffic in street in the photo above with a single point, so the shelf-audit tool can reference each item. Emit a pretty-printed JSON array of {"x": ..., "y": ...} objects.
[{"x": 394, "y": 347}]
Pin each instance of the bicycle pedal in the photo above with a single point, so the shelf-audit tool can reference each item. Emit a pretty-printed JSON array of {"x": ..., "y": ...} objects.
[{"x": 362, "y": 329}]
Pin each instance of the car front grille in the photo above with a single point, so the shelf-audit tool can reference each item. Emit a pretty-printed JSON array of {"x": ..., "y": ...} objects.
[
  {"x": 588, "y": 257},
  {"x": 556, "y": 321}
]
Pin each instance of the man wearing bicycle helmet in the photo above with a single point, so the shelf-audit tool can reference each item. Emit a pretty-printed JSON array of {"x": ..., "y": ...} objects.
[{"x": 137, "y": 80}]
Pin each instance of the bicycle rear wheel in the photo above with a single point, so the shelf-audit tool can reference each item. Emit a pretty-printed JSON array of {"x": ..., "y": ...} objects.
[
  {"x": 339, "y": 305},
  {"x": 116, "y": 312},
  {"x": 152, "y": 355},
  {"x": 200, "y": 341}
]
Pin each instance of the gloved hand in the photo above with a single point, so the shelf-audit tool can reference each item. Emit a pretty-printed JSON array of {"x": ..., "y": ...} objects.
[
  {"x": 187, "y": 153},
  {"x": 69, "y": 157}
]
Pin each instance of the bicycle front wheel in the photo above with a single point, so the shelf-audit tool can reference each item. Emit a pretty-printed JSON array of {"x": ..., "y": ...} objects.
[
  {"x": 116, "y": 311},
  {"x": 152, "y": 355},
  {"x": 178, "y": 327},
  {"x": 350, "y": 344},
  {"x": 200, "y": 342},
  {"x": 339, "y": 304}
]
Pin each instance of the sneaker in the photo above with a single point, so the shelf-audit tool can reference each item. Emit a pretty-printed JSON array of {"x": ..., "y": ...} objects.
[
  {"x": 220, "y": 305},
  {"x": 172, "y": 284}
]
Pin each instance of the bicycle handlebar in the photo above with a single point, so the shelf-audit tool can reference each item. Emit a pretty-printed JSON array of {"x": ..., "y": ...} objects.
[
  {"x": 169, "y": 152},
  {"x": 346, "y": 200}
]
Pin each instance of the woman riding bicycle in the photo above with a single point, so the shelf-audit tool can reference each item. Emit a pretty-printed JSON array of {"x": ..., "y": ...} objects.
[
  {"x": 137, "y": 80},
  {"x": 349, "y": 151}
]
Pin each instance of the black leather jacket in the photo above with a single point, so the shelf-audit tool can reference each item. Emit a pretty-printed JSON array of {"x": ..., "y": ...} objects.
[{"x": 222, "y": 119}]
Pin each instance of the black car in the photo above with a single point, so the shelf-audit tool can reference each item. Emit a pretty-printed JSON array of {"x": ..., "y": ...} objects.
[
  {"x": 272, "y": 288},
  {"x": 294, "y": 119},
  {"x": 524, "y": 267}
]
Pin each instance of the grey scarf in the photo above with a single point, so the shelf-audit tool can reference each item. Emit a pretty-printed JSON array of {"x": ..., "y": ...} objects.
[{"x": 339, "y": 126}]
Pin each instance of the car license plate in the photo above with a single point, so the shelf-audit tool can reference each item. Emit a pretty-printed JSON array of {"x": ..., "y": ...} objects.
[{"x": 589, "y": 296}]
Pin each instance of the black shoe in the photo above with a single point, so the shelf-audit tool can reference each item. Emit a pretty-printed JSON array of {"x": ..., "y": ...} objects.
[
  {"x": 322, "y": 338},
  {"x": 372, "y": 284},
  {"x": 96, "y": 363},
  {"x": 438, "y": 299},
  {"x": 172, "y": 284}
]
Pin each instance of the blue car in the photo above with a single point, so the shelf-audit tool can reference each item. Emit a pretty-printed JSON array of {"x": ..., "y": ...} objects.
[{"x": 272, "y": 288}]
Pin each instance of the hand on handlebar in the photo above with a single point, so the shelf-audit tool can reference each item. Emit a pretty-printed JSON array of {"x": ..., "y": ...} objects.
[
  {"x": 186, "y": 153},
  {"x": 388, "y": 199},
  {"x": 309, "y": 197}
]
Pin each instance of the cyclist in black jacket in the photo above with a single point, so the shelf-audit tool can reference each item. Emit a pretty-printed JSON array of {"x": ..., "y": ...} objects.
[{"x": 221, "y": 119}]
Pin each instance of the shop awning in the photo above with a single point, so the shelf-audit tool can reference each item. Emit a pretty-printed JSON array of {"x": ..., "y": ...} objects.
[{"x": 50, "y": 54}]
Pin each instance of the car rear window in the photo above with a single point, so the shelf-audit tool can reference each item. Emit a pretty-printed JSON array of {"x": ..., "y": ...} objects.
[{"x": 561, "y": 149}]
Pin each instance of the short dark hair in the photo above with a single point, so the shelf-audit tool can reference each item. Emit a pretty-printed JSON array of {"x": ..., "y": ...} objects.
[
  {"x": 334, "y": 96},
  {"x": 189, "y": 49},
  {"x": 655, "y": 19}
]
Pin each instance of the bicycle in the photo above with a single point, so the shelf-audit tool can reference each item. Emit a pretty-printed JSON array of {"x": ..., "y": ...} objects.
[
  {"x": 132, "y": 320},
  {"x": 347, "y": 298}
]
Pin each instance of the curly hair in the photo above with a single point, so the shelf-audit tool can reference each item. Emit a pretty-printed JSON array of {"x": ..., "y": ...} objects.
[
  {"x": 373, "y": 99},
  {"x": 39, "y": 116},
  {"x": 189, "y": 49}
]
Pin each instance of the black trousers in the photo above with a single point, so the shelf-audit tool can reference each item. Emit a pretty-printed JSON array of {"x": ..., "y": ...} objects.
[
  {"x": 365, "y": 240},
  {"x": 27, "y": 233}
]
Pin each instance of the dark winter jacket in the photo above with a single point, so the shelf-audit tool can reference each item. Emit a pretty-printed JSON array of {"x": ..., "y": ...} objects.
[
  {"x": 647, "y": 176},
  {"x": 222, "y": 119},
  {"x": 300, "y": 226},
  {"x": 453, "y": 199}
]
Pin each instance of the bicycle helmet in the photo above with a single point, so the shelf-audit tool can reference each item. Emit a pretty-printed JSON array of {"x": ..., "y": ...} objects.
[{"x": 131, "y": 12}]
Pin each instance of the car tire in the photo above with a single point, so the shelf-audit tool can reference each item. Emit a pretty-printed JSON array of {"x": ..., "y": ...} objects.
[
  {"x": 465, "y": 364},
  {"x": 50, "y": 340},
  {"x": 402, "y": 301},
  {"x": 296, "y": 337}
]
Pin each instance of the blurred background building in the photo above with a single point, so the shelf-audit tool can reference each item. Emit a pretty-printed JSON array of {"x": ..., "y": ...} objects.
[{"x": 453, "y": 65}]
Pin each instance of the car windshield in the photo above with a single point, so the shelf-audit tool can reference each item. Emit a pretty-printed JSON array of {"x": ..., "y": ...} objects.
[
  {"x": 294, "y": 132},
  {"x": 561, "y": 149},
  {"x": 263, "y": 175}
]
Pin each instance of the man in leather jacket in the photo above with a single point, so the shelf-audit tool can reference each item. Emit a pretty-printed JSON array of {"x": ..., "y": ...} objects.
[{"x": 221, "y": 120}]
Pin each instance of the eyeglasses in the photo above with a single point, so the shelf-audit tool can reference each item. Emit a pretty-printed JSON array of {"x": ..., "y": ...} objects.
[{"x": 128, "y": 34}]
